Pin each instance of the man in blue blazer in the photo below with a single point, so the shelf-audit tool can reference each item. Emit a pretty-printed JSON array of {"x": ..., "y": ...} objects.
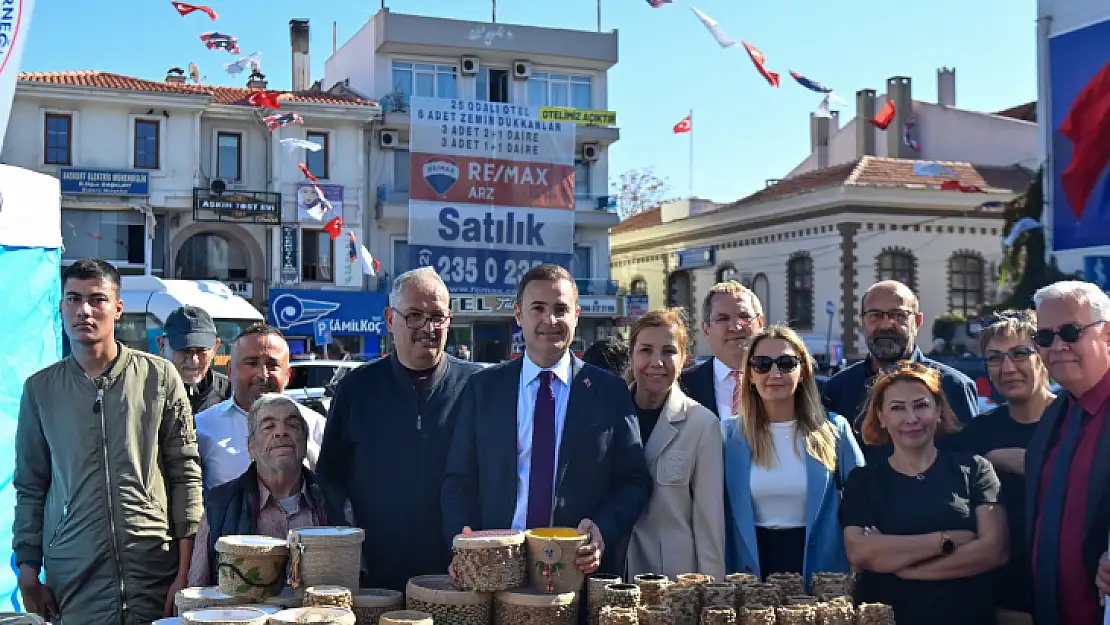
[{"x": 547, "y": 440}]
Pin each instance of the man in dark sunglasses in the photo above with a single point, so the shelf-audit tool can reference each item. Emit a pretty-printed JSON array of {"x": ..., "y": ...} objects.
[{"x": 1067, "y": 476}]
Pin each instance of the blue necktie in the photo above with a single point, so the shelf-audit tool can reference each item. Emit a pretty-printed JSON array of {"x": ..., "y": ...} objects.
[
  {"x": 541, "y": 477},
  {"x": 1052, "y": 519}
]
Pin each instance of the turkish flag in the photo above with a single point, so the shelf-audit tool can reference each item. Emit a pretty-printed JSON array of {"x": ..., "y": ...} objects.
[
  {"x": 262, "y": 99},
  {"x": 686, "y": 125},
  {"x": 883, "y": 118},
  {"x": 956, "y": 185},
  {"x": 760, "y": 60},
  {"x": 184, "y": 9},
  {"x": 334, "y": 228},
  {"x": 1087, "y": 126}
]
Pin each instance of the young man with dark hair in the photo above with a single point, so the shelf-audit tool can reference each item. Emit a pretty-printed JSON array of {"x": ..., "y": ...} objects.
[{"x": 107, "y": 473}]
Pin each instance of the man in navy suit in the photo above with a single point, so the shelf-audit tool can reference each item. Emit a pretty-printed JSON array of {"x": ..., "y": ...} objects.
[
  {"x": 547, "y": 440},
  {"x": 731, "y": 314}
]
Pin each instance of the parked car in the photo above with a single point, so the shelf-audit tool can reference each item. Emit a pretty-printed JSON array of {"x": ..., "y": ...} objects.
[{"x": 310, "y": 380}]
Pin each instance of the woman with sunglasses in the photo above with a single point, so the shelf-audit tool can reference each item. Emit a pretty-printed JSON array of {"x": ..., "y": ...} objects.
[
  {"x": 683, "y": 528},
  {"x": 1002, "y": 434},
  {"x": 924, "y": 526},
  {"x": 785, "y": 460}
]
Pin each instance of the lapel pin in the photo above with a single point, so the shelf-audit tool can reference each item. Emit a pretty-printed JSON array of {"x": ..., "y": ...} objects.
[{"x": 586, "y": 382}]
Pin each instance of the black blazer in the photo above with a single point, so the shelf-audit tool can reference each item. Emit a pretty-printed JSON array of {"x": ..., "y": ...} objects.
[
  {"x": 700, "y": 386},
  {"x": 1098, "y": 504},
  {"x": 601, "y": 475}
]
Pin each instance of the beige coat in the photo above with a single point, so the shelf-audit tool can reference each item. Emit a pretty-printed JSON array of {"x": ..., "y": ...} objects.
[{"x": 683, "y": 528}]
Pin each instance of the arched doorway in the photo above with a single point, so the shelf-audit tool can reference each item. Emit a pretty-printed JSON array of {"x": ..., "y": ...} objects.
[
  {"x": 211, "y": 256},
  {"x": 762, "y": 289}
]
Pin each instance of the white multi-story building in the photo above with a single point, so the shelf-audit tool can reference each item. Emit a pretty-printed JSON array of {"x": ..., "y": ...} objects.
[{"x": 395, "y": 56}]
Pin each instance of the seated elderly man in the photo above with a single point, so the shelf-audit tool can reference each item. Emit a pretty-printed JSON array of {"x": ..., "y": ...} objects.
[{"x": 276, "y": 493}]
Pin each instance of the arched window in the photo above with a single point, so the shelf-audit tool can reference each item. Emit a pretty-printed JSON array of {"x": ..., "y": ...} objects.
[
  {"x": 799, "y": 278},
  {"x": 638, "y": 286},
  {"x": 965, "y": 284},
  {"x": 761, "y": 286},
  {"x": 678, "y": 290},
  {"x": 211, "y": 256},
  {"x": 897, "y": 264},
  {"x": 727, "y": 272}
]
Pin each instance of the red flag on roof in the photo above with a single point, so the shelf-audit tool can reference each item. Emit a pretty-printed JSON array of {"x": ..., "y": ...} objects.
[
  {"x": 263, "y": 99},
  {"x": 760, "y": 60},
  {"x": 883, "y": 118},
  {"x": 686, "y": 125},
  {"x": 334, "y": 228},
  {"x": 1087, "y": 126}
]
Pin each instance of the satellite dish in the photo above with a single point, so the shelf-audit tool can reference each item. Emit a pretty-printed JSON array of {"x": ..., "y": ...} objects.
[
  {"x": 194, "y": 72},
  {"x": 218, "y": 186}
]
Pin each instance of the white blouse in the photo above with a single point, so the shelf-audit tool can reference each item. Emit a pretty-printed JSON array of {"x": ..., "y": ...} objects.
[{"x": 779, "y": 493}]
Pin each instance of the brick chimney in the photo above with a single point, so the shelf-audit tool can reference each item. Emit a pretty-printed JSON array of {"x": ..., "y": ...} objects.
[
  {"x": 257, "y": 81},
  {"x": 819, "y": 139},
  {"x": 176, "y": 76},
  {"x": 865, "y": 132},
  {"x": 298, "y": 41},
  {"x": 899, "y": 89},
  {"x": 946, "y": 86}
]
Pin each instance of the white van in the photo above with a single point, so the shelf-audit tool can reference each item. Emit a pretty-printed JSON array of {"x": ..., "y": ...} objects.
[{"x": 148, "y": 300}]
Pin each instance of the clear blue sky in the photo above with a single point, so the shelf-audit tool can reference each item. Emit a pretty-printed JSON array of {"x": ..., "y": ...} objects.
[{"x": 744, "y": 130}]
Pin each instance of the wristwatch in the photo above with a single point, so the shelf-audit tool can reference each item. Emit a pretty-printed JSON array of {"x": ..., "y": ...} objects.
[{"x": 947, "y": 546}]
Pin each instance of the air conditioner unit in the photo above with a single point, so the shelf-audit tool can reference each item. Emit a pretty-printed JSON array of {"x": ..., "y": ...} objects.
[
  {"x": 469, "y": 65},
  {"x": 219, "y": 186},
  {"x": 389, "y": 139},
  {"x": 591, "y": 151},
  {"x": 522, "y": 70}
]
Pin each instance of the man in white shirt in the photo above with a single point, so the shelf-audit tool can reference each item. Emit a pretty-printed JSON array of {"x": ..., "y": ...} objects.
[
  {"x": 731, "y": 315},
  {"x": 259, "y": 365}
]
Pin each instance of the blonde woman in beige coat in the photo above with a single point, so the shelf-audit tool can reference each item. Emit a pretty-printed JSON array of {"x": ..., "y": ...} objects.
[{"x": 683, "y": 528}]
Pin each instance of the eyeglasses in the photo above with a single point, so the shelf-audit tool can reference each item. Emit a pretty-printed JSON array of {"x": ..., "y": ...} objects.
[
  {"x": 1068, "y": 333},
  {"x": 1017, "y": 354},
  {"x": 416, "y": 319},
  {"x": 905, "y": 365},
  {"x": 898, "y": 315},
  {"x": 1019, "y": 316},
  {"x": 786, "y": 363}
]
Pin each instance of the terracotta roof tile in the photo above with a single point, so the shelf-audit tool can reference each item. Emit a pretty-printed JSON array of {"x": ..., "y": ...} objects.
[
  {"x": 220, "y": 95},
  {"x": 646, "y": 219},
  {"x": 1025, "y": 112},
  {"x": 802, "y": 183}
]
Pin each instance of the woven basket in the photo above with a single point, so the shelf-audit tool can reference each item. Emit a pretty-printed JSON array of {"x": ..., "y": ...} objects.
[
  {"x": 327, "y": 597},
  {"x": 718, "y": 615},
  {"x": 284, "y": 600},
  {"x": 552, "y": 552},
  {"x": 655, "y": 615},
  {"x": 718, "y": 595},
  {"x": 693, "y": 579},
  {"x": 826, "y": 586},
  {"x": 371, "y": 603},
  {"x": 762, "y": 594},
  {"x": 621, "y": 596},
  {"x": 595, "y": 592},
  {"x": 251, "y": 567},
  {"x": 683, "y": 602},
  {"x": 836, "y": 612},
  {"x": 796, "y": 615},
  {"x": 318, "y": 616},
  {"x": 651, "y": 588},
  {"x": 874, "y": 614},
  {"x": 261, "y": 607},
  {"x": 527, "y": 607},
  {"x": 800, "y": 600},
  {"x": 490, "y": 561},
  {"x": 758, "y": 615},
  {"x": 325, "y": 556},
  {"x": 225, "y": 616},
  {"x": 406, "y": 617},
  {"x": 616, "y": 615},
  {"x": 197, "y": 598},
  {"x": 436, "y": 595},
  {"x": 790, "y": 584}
]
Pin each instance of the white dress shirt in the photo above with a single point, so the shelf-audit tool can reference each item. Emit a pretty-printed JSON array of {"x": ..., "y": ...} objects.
[
  {"x": 723, "y": 385},
  {"x": 779, "y": 493},
  {"x": 525, "y": 409},
  {"x": 222, "y": 438}
]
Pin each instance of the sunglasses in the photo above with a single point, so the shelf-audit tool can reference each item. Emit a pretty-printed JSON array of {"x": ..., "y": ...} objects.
[
  {"x": 1019, "y": 316},
  {"x": 786, "y": 363},
  {"x": 905, "y": 365},
  {"x": 1017, "y": 354},
  {"x": 1068, "y": 333}
]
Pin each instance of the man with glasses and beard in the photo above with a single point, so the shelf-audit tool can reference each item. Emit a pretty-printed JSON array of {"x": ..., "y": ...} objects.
[
  {"x": 259, "y": 365},
  {"x": 891, "y": 319},
  {"x": 389, "y": 431}
]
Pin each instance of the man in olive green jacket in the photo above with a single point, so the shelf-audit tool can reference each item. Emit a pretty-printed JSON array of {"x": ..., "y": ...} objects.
[{"x": 107, "y": 476}]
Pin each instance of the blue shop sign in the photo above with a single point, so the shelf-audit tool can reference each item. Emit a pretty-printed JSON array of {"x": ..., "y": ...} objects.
[
  {"x": 695, "y": 257},
  {"x": 125, "y": 182},
  {"x": 347, "y": 312}
]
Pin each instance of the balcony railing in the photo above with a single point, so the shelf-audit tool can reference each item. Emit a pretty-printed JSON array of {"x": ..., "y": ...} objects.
[
  {"x": 606, "y": 203},
  {"x": 597, "y": 286}
]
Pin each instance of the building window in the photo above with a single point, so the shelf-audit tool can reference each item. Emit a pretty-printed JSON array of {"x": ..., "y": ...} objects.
[
  {"x": 965, "y": 284},
  {"x": 638, "y": 287},
  {"x": 897, "y": 265},
  {"x": 58, "y": 139},
  {"x": 582, "y": 266},
  {"x": 799, "y": 276},
  {"x": 761, "y": 286},
  {"x": 400, "y": 171},
  {"x": 229, "y": 156},
  {"x": 581, "y": 179},
  {"x": 400, "y": 256},
  {"x": 317, "y": 162},
  {"x": 317, "y": 251},
  {"x": 212, "y": 256},
  {"x": 727, "y": 272},
  {"x": 146, "y": 144},
  {"x": 116, "y": 236},
  {"x": 492, "y": 85},
  {"x": 545, "y": 89},
  {"x": 425, "y": 80}
]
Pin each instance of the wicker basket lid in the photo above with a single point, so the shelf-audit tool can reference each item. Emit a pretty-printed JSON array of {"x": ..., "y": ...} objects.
[
  {"x": 328, "y": 536},
  {"x": 438, "y": 590},
  {"x": 261, "y": 607},
  {"x": 225, "y": 616},
  {"x": 327, "y": 591},
  {"x": 488, "y": 539},
  {"x": 377, "y": 598},
  {"x": 209, "y": 594},
  {"x": 527, "y": 597},
  {"x": 406, "y": 617},
  {"x": 322, "y": 616},
  {"x": 251, "y": 545}
]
